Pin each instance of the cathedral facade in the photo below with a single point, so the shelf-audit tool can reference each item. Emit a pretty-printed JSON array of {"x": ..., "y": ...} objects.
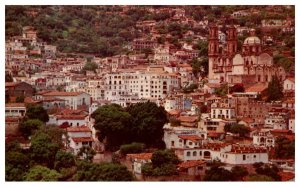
[{"x": 249, "y": 66}]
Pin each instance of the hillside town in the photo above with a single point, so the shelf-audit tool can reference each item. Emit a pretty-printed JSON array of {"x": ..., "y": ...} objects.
[{"x": 187, "y": 96}]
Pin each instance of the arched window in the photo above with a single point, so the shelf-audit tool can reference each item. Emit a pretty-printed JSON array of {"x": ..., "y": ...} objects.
[
  {"x": 194, "y": 153},
  {"x": 188, "y": 153}
]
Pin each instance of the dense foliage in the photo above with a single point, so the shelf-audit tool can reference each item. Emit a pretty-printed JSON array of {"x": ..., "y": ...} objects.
[
  {"x": 218, "y": 173},
  {"x": 41, "y": 173},
  {"x": 35, "y": 111},
  {"x": 163, "y": 163},
  {"x": 136, "y": 123},
  {"x": 284, "y": 148},
  {"x": 132, "y": 148},
  {"x": 275, "y": 89},
  {"x": 267, "y": 170},
  {"x": 102, "y": 172},
  {"x": 28, "y": 127},
  {"x": 239, "y": 129}
]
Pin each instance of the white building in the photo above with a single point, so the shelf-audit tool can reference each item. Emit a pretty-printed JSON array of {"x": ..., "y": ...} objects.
[
  {"x": 289, "y": 84},
  {"x": 226, "y": 153},
  {"x": 264, "y": 138},
  {"x": 15, "y": 109},
  {"x": 222, "y": 111},
  {"x": 138, "y": 160},
  {"x": 292, "y": 124},
  {"x": 145, "y": 85},
  {"x": 74, "y": 100},
  {"x": 79, "y": 137},
  {"x": 276, "y": 119},
  {"x": 183, "y": 137}
]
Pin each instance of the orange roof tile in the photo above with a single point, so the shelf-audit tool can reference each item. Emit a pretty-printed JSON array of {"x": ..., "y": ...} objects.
[
  {"x": 82, "y": 139},
  {"x": 145, "y": 156},
  {"x": 79, "y": 129},
  {"x": 188, "y": 118},
  {"x": 78, "y": 117},
  {"x": 15, "y": 105},
  {"x": 248, "y": 120},
  {"x": 189, "y": 164},
  {"x": 256, "y": 88},
  {"x": 61, "y": 93},
  {"x": 193, "y": 138},
  {"x": 286, "y": 176}
]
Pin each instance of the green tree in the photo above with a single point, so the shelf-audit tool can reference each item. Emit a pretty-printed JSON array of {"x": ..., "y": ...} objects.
[
  {"x": 36, "y": 112},
  {"x": 43, "y": 150},
  {"x": 54, "y": 132},
  {"x": 161, "y": 157},
  {"x": 114, "y": 124},
  {"x": 90, "y": 66},
  {"x": 222, "y": 90},
  {"x": 274, "y": 90},
  {"x": 64, "y": 160},
  {"x": 200, "y": 66},
  {"x": 16, "y": 164},
  {"x": 218, "y": 174},
  {"x": 163, "y": 163},
  {"x": 87, "y": 153},
  {"x": 202, "y": 46},
  {"x": 28, "y": 127},
  {"x": 239, "y": 172},
  {"x": 147, "y": 122},
  {"x": 268, "y": 170},
  {"x": 132, "y": 148},
  {"x": 284, "y": 148},
  {"x": 242, "y": 130},
  {"x": 257, "y": 177},
  {"x": 20, "y": 99},
  {"x": 41, "y": 173},
  {"x": 102, "y": 172}
]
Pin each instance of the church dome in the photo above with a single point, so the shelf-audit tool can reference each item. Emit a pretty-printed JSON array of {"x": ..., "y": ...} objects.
[{"x": 252, "y": 40}]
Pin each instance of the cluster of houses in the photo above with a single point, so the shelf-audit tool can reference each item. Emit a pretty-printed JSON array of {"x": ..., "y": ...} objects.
[{"x": 198, "y": 134}]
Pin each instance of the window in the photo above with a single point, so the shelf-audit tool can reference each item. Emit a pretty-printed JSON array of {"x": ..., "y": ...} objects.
[
  {"x": 172, "y": 143},
  {"x": 188, "y": 153},
  {"x": 194, "y": 153},
  {"x": 200, "y": 153},
  {"x": 190, "y": 143},
  {"x": 254, "y": 156},
  {"x": 244, "y": 157}
]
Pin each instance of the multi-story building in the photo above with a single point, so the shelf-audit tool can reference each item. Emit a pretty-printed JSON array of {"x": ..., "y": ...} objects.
[
  {"x": 142, "y": 84},
  {"x": 277, "y": 118},
  {"x": 74, "y": 100}
]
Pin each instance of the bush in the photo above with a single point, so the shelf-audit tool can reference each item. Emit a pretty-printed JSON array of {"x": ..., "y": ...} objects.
[{"x": 132, "y": 148}]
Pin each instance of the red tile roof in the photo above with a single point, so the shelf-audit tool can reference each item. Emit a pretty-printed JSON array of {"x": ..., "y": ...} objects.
[
  {"x": 15, "y": 105},
  {"x": 193, "y": 138},
  {"x": 256, "y": 88},
  {"x": 145, "y": 156},
  {"x": 188, "y": 118},
  {"x": 72, "y": 117},
  {"x": 82, "y": 139},
  {"x": 61, "y": 93},
  {"x": 248, "y": 120},
  {"x": 190, "y": 164},
  {"x": 286, "y": 176},
  {"x": 79, "y": 129},
  {"x": 11, "y": 84}
]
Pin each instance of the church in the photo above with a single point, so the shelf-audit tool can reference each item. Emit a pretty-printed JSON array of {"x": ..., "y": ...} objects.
[{"x": 251, "y": 65}]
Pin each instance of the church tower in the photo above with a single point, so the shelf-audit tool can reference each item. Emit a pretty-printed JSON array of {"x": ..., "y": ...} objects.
[
  {"x": 231, "y": 41},
  {"x": 213, "y": 49}
]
